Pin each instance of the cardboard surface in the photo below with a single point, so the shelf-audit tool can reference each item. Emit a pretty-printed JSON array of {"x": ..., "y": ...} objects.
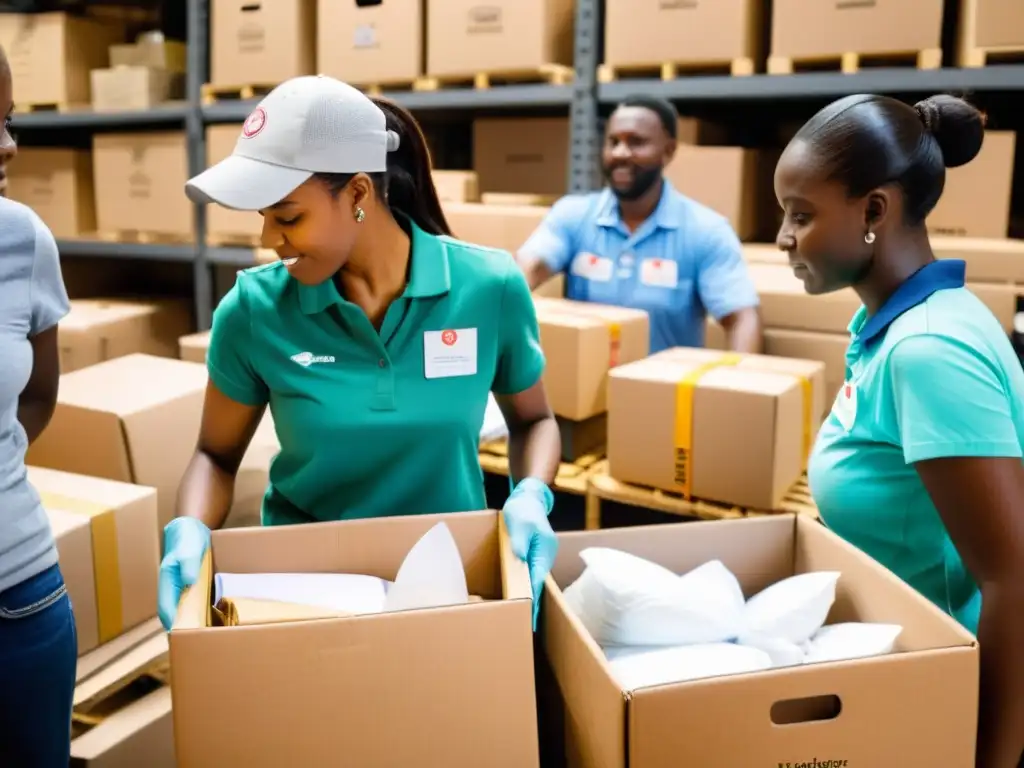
[
  {"x": 371, "y": 43},
  {"x": 57, "y": 185},
  {"x": 261, "y": 43}
]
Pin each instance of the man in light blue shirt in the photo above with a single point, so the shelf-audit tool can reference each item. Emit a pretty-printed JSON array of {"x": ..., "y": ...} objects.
[{"x": 640, "y": 243}]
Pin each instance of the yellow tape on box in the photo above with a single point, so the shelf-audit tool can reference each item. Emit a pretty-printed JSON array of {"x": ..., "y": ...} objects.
[{"x": 106, "y": 564}]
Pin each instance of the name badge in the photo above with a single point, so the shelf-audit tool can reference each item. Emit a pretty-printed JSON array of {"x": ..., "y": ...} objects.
[
  {"x": 592, "y": 267},
  {"x": 659, "y": 273},
  {"x": 449, "y": 353},
  {"x": 845, "y": 406}
]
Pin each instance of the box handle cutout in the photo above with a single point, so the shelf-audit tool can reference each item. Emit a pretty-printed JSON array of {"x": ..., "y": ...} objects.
[
  {"x": 806, "y": 710},
  {"x": 251, "y": 7},
  {"x": 368, "y": 3}
]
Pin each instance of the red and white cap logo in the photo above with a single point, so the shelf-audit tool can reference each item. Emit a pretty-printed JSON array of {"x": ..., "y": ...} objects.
[
  {"x": 254, "y": 123},
  {"x": 449, "y": 338}
]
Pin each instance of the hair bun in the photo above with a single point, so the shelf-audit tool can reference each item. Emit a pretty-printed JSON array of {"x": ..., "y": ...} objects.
[{"x": 958, "y": 127}]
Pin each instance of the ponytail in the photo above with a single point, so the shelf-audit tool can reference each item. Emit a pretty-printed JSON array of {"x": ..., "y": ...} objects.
[{"x": 409, "y": 184}]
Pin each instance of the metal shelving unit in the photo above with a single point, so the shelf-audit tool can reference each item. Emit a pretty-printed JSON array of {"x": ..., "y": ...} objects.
[{"x": 583, "y": 99}]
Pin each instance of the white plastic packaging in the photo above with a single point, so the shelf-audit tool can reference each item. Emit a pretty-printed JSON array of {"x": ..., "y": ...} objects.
[
  {"x": 839, "y": 642},
  {"x": 782, "y": 652},
  {"x": 636, "y": 668},
  {"x": 792, "y": 609}
]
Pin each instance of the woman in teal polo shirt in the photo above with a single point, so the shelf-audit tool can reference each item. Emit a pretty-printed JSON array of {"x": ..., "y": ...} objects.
[
  {"x": 375, "y": 340},
  {"x": 919, "y": 463}
]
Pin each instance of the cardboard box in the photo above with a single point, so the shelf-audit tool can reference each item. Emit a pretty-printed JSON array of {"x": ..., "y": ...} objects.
[
  {"x": 989, "y": 24},
  {"x": 733, "y": 181},
  {"x": 465, "y": 38},
  {"x": 457, "y": 186},
  {"x": 421, "y": 687},
  {"x": 890, "y": 705},
  {"x": 138, "y": 180},
  {"x": 262, "y": 43},
  {"x": 193, "y": 347},
  {"x": 582, "y": 343},
  {"x": 103, "y": 329},
  {"x": 731, "y": 428},
  {"x": 1001, "y": 299},
  {"x": 224, "y": 225},
  {"x": 57, "y": 185},
  {"x": 649, "y": 32},
  {"x": 140, "y": 417},
  {"x": 528, "y": 155},
  {"x": 976, "y": 199},
  {"x": 552, "y": 288},
  {"x": 126, "y": 88},
  {"x": 51, "y": 55},
  {"x": 785, "y": 303},
  {"x": 495, "y": 226},
  {"x": 806, "y": 29},
  {"x": 150, "y": 50},
  {"x": 107, "y": 543},
  {"x": 373, "y": 43}
]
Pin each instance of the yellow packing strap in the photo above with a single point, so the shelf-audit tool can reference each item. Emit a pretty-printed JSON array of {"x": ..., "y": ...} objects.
[
  {"x": 106, "y": 565},
  {"x": 614, "y": 344},
  {"x": 684, "y": 420},
  {"x": 807, "y": 389}
]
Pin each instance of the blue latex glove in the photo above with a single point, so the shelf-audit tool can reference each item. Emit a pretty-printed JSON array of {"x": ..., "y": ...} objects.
[
  {"x": 526, "y": 517},
  {"x": 186, "y": 540}
]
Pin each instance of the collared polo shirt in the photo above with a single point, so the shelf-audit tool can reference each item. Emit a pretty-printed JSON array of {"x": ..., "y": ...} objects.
[
  {"x": 684, "y": 262},
  {"x": 378, "y": 424},
  {"x": 932, "y": 374}
]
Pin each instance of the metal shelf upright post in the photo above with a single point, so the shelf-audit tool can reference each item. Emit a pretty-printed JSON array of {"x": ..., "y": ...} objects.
[
  {"x": 584, "y": 128},
  {"x": 198, "y": 36}
]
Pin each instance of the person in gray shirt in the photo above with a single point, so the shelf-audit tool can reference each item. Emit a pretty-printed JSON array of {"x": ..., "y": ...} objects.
[{"x": 38, "y": 643}]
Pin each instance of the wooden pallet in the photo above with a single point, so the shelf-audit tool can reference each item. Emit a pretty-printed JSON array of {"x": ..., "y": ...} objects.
[
  {"x": 603, "y": 487},
  {"x": 970, "y": 52},
  {"x": 234, "y": 241},
  {"x": 517, "y": 199},
  {"x": 850, "y": 63},
  {"x": 571, "y": 477},
  {"x": 671, "y": 70},
  {"x": 122, "y": 690},
  {"x": 139, "y": 237},
  {"x": 47, "y": 106},
  {"x": 552, "y": 74},
  {"x": 981, "y": 57},
  {"x": 210, "y": 93},
  {"x": 382, "y": 89}
]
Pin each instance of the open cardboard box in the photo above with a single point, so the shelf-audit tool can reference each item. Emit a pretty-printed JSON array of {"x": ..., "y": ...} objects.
[
  {"x": 915, "y": 707},
  {"x": 449, "y": 686}
]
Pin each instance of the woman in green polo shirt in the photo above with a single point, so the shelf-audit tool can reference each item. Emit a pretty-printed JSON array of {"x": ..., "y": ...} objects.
[
  {"x": 375, "y": 340},
  {"x": 919, "y": 462}
]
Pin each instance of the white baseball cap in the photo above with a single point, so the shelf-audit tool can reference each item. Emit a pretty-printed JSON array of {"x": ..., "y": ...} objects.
[{"x": 306, "y": 125}]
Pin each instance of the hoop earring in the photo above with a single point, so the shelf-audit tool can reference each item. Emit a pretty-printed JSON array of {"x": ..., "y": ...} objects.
[
  {"x": 360, "y": 215},
  {"x": 869, "y": 238}
]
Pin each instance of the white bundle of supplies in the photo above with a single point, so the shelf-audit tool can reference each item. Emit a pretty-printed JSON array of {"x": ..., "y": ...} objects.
[{"x": 658, "y": 627}]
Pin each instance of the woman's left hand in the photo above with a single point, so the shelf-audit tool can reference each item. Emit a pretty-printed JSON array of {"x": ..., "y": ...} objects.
[{"x": 533, "y": 540}]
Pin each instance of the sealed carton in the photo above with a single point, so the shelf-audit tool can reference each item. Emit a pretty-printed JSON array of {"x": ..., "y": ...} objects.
[
  {"x": 448, "y": 686},
  {"x": 262, "y": 43},
  {"x": 371, "y": 43},
  {"x": 888, "y": 706},
  {"x": 725, "y": 427},
  {"x": 495, "y": 226},
  {"x": 582, "y": 343},
  {"x": 57, "y": 185}
]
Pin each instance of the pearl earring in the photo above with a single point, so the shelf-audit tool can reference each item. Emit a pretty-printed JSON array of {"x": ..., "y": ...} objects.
[
  {"x": 360, "y": 214},
  {"x": 869, "y": 238}
]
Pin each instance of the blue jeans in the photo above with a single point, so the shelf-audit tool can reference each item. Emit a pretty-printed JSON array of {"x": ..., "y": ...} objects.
[{"x": 38, "y": 654}]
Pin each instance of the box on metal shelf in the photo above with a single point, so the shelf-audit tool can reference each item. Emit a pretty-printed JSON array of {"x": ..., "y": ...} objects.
[
  {"x": 96, "y": 330},
  {"x": 809, "y": 30},
  {"x": 139, "y": 180},
  {"x": 124, "y": 88},
  {"x": 371, "y": 43},
  {"x": 430, "y": 673},
  {"x": 989, "y": 27},
  {"x": 527, "y": 155},
  {"x": 649, "y": 33},
  {"x": 582, "y": 342},
  {"x": 523, "y": 37},
  {"x": 262, "y": 43},
  {"x": 51, "y": 55},
  {"x": 106, "y": 535},
  {"x": 782, "y": 716},
  {"x": 456, "y": 186},
  {"x": 141, "y": 417},
  {"x": 57, "y": 185},
  {"x": 976, "y": 199},
  {"x": 724, "y": 427},
  {"x": 494, "y": 226},
  {"x": 225, "y": 226}
]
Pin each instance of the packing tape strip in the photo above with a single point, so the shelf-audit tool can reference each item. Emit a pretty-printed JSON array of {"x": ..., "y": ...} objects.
[
  {"x": 807, "y": 389},
  {"x": 685, "y": 390},
  {"x": 106, "y": 564},
  {"x": 614, "y": 344}
]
